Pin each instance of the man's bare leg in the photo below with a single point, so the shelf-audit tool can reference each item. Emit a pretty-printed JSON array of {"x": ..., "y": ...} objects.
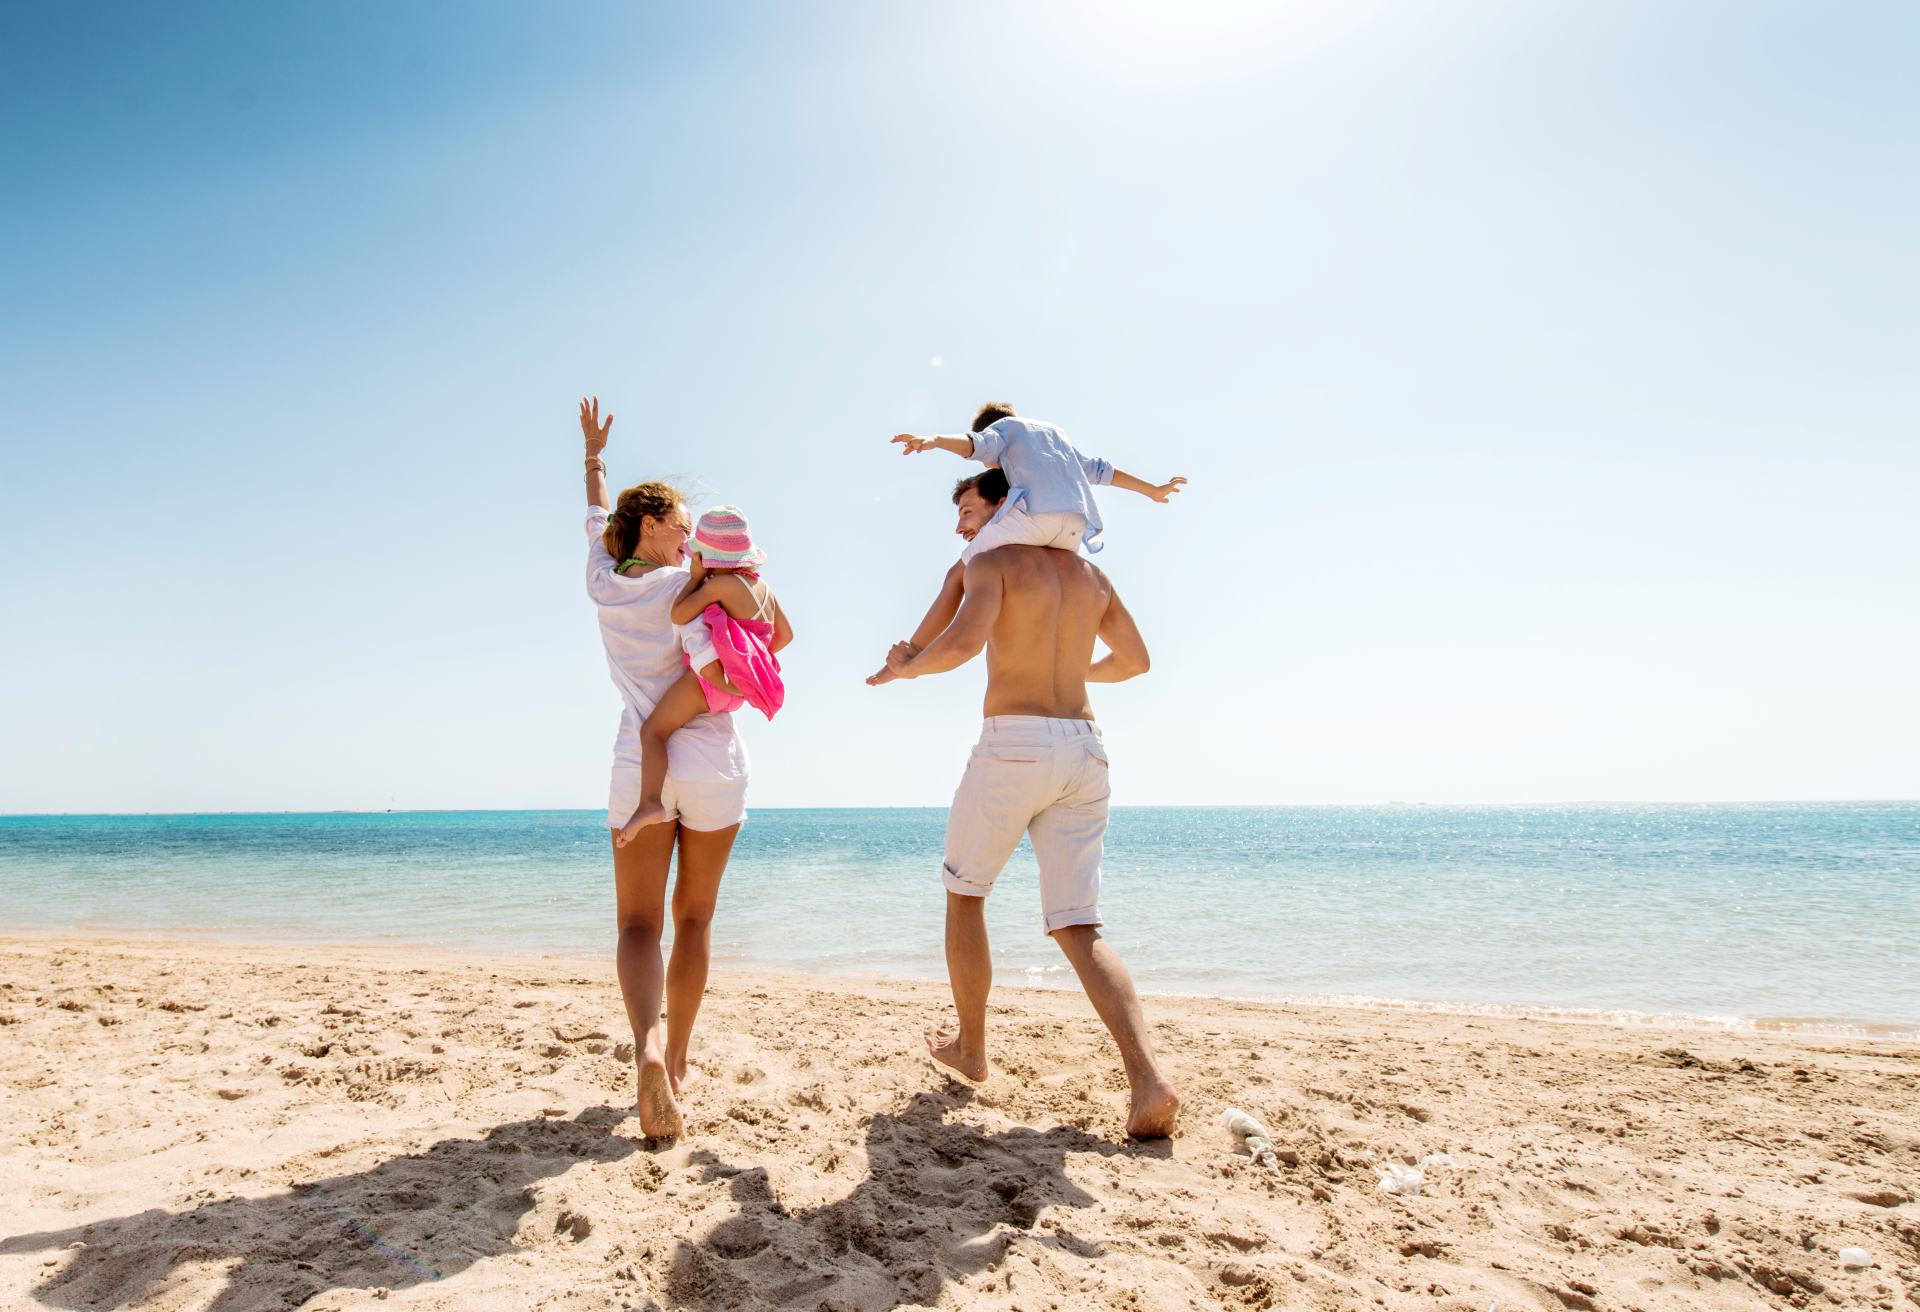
[
  {"x": 970, "y": 971},
  {"x": 1110, "y": 988}
]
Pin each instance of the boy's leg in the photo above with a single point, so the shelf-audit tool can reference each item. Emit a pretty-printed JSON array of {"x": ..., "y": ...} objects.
[{"x": 683, "y": 702}]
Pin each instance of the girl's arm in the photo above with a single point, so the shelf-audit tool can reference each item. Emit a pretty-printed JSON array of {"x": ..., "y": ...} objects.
[
  {"x": 782, "y": 631},
  {"x": 596, "y": 434},
  {"x": 723, "y": 590},
  {"x": 960, "y": 446},
  {"x": 1160, "y": 492}
]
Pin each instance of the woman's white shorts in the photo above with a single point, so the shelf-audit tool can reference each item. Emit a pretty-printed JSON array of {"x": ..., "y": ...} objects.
[{"x": 699, "y": 804}]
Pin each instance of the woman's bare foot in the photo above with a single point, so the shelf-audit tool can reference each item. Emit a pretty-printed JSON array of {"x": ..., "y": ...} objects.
[
  {"x": 1155, "y": 1109},
  {"x": 659, "y": 1113},
  {"x": 650, "y": 813},
  {"x": 946, "y": 1049},
  {"x": 682, "y": 1079}
]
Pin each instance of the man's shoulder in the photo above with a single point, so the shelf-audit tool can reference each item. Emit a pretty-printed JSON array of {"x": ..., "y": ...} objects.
[{"x": 1023, "y": 559}]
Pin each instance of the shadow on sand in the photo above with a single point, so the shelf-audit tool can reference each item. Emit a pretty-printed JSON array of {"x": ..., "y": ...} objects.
[
  {"x": 379, "y": 1227},
  {"x": 940, "y": 1201}
]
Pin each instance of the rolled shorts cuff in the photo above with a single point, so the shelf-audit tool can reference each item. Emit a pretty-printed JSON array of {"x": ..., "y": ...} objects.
[
  {"x": 957, "y": 884},
  {"x": 1058, "y": 920}
]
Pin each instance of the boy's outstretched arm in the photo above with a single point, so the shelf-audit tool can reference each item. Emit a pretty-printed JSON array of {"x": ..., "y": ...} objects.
[
  {"x": 1161, "y": 492},
  {"x": 960, "y": 446},
  {"x": 938, "y": 617}
]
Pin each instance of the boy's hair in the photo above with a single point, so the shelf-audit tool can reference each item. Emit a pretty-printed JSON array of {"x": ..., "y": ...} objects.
[
  {"x": 991, "y": 413},
  {"x": 642, "y": 501},
  {"x": 990, "y": 484}
]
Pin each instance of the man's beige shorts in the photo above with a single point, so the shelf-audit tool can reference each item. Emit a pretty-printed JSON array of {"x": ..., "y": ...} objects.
[{"x": 1033, "y": 775}]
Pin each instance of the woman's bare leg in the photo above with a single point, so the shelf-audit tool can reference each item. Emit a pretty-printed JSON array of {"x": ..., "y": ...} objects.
[
  {"x": 682, "y": 702},
  {"x": 640, "y": 889},
  {"x": 703, "y": 859}
]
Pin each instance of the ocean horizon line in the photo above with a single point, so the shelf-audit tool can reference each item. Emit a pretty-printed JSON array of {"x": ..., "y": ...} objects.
[{"x": 941, "y": 806}]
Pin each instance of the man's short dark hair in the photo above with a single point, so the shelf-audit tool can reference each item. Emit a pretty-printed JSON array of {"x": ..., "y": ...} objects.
[
  {"x": 991, "y": 485},
  {"x": 991, "y": 413}
]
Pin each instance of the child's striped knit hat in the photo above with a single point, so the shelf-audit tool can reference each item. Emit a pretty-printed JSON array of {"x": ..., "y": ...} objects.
[{"x": 722, "y": 538}]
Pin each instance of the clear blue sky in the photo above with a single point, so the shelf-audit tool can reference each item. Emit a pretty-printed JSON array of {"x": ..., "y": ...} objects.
[{"x": 1548, "y": 377}]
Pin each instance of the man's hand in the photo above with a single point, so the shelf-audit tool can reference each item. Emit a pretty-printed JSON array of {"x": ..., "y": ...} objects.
[
  {"x": 1163, "y": 493},
  {"x": 913, "y": 445},
  {"x": 897, "y": 656},
  {"x": 596, "y": 432}
]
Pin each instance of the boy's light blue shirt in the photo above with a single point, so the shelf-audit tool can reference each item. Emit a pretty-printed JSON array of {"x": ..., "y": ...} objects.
[{"x": 1044, "y": 471}]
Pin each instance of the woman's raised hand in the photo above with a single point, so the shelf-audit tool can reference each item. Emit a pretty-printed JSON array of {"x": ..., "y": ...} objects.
[{"x": 596, "y": 432}]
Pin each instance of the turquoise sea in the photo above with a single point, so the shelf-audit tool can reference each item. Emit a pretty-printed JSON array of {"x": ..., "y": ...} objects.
[{"x": 1775, "y": 913}]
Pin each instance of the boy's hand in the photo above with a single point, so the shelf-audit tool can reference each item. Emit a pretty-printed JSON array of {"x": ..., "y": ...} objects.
[
  {"x": 914, "y": 445},
  {"x": 596, "y": 432},
  {"x": 1164, "y": 492}
]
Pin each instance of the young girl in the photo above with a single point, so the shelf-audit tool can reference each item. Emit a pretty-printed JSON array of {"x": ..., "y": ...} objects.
[{"x": 725, "y": 591}]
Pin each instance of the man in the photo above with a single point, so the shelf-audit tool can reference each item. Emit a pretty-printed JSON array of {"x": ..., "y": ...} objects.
[{"x": 1041, "y": 769}]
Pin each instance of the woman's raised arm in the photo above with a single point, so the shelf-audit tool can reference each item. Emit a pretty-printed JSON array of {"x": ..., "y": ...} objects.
[{"x": 596, "y": 434}]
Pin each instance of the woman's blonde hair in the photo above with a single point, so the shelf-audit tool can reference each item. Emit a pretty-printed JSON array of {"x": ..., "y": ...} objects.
[{"x": 654, "y": 500}]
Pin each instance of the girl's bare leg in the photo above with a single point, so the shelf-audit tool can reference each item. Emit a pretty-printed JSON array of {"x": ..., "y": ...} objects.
[
  {"x": 703, "y": 859},
  {"x": 640, "y": 888},
  {"x": 683, "y": 701}
]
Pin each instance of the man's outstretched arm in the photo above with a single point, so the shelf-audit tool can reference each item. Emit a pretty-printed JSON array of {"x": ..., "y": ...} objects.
[
  {"x": 963, "y": 638},
  {"x": 938, "y": 617},
  {"x": 1126, "y": 649}
]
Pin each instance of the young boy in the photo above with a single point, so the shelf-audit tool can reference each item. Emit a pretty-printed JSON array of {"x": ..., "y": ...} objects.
[{"x": 1049, "y": 502}]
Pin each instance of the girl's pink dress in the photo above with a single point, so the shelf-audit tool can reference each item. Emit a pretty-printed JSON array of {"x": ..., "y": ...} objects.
[{"x": 741, "y": 646}]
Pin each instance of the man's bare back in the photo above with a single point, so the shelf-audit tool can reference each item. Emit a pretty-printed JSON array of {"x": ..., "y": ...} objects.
[{"x": 1048, "y": 606}]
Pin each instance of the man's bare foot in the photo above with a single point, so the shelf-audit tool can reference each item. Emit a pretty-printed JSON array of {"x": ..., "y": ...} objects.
[
  {"x": 1155, "y": 1109},
  {"x": 946, "y": 1049},
  {"x": 650, "y": 813},
  {"x": 659, "y": 1113}
]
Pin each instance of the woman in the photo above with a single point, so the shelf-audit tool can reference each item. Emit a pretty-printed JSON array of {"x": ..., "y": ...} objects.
[{"x": 635, "y": 571}]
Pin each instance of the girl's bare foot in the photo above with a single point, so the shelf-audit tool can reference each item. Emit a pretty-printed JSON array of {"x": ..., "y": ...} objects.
[
  {"x": 650, "y": 813},
  {"x": 946, "y": 1049},
  {"x": 659, "y": 1113},
  {"x": 1155, "y": 1109}
]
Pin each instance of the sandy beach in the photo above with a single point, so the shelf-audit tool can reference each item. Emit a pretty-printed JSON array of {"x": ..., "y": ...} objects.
[{"x": 190, "y": 1125}]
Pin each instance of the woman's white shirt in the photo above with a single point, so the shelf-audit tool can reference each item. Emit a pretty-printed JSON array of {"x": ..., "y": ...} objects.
[{"x": 644, "y": 649}]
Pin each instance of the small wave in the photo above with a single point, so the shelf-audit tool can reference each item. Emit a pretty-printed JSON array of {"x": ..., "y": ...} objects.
[{"x": 1802, "y": 1026}]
